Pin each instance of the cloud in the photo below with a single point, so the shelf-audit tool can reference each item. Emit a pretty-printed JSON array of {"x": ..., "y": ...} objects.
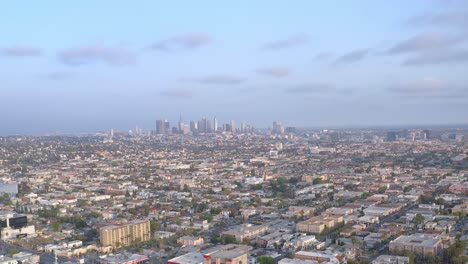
[
  {"x": 425, "y": 41},
  {"x": 21, "y": 52},
  {"x": 57, "y": 76},
  {"x": 323, "y": 56},
  {"x": 220, "y": 79},
  {"x": 428, "y": 87},
  {"x": 289, "y": 42},
  {"x": 180, "y": 93},
  {"x": 89, "y": 55},
  {"x": 353, "y": 56},
  {"x": 188, "y": 41},
  {"x": 424, "y": 86},
  {"x": 438, "y": 57},
  {"x": 451, "y": 18},
  {"x": 311, "y": 88},
  {"x": 277, "y": 72}
]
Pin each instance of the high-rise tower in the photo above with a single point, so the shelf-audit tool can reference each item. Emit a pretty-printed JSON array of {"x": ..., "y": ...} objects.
[
  {"x": 215, "y": 124},
  {"x": 181, "y": 124}
]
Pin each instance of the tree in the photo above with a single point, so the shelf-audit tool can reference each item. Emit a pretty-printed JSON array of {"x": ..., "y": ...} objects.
[
  {"x": 266, "y": 260},
  {"x": 382, "y": 189},
  {"x": 418, "y": 219},
  {"x": 208, "y": 218},
  {"x": 56, "y": 226},
  {"x": 14, "y": 251},
  {"x": 453, "y": 253},
  {"x": 215, "y": 211},
  {"x": 229, "y": 240},
  {"x": 317, "y": 181}
]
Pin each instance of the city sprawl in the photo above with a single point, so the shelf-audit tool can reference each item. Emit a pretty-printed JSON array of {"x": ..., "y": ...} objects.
[{"x": 238, "y": 196}]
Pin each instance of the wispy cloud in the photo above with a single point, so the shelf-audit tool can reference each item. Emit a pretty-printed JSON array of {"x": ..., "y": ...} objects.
[
  {"x": 426, "y": 41},
  {"x": 353, "y": 56},
  {"x": 442, "y": 56},
  {"x": 428, "y": 87},
  {"x": 323, "y": 56},
  {"x": 451, "y": 18},
  {"x": 20, "y": 52},
  {"x": 424, "y": 86},
  {"x": 57, "y": 76},
  {"x": 96, "y": 54},
  {"x": 187, "y": 41},
  {"x": 179, "y": 93},
  {"x": 311, "y": 88},
  {"x": 289, "y": 42},
  {"x": 277, "y": 72},
  {"x": 221, "y": 79}
]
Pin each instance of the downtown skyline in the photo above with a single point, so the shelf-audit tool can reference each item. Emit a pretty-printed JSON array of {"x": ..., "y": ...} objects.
[{"x": 311, "y": 64}]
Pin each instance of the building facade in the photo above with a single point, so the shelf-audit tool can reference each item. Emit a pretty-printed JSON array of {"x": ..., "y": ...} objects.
[{"x": 125, "y": 234}]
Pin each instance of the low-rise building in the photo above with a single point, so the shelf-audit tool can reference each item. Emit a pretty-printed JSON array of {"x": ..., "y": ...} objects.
[
  {"x": 317, "y": 256},
  {"x": 389, "y": 259},
  {"x": 318, "y": 224},
  {"x": 189, "y": 258},
  {"x": 418, "y": 243},
  {"x": 190, "y": 241},
  {"x": 227, "y": 254}
]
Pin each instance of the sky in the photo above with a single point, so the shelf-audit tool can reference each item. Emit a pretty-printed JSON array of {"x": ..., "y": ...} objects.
[{"x": 86, "y": 66}]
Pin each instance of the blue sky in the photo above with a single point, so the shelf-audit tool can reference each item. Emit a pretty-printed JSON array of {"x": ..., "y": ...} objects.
[{"x": 95, "y": 65}]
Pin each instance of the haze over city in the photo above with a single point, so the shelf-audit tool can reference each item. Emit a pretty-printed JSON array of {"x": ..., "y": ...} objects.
[
  {"x": 234, "y": 132},
  {"x": 91, "y": 66}
]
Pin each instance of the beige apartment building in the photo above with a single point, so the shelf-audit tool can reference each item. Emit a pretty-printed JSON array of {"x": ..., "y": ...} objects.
[
  {"x": 227, "y": 254},
  {"x": 190, "y": 241},
  {"x": 317, "y": 224},
  {"x": 419, "y": 244},
  {"x": 125, "y": 234}
]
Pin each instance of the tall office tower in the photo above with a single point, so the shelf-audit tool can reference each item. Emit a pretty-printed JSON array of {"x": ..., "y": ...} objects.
[
  {"x": 242, "y": 128},
  {"x": 233, "y": 127},
  {"x": 208, "y": 126},
  {"x": 181, "y": 125},
  {"x": 202, "y": 125},
  {"x": 193, "y": 126},
  {"x": 278, "y": 128},
  {"x": 274, "y": 129},
  {"x": 167, "y": 127},
  {"x": 426, "y": 134},
  {"x": 215, "y": 124},
  {"x": 160, "y": 127}
]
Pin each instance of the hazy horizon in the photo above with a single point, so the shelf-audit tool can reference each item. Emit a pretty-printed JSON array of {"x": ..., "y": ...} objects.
[{"x": 95, "y": 66}]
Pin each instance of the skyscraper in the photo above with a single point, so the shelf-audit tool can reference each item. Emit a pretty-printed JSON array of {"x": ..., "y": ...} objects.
[
  {"x": 193, "y": 126},
  {"x": 181, "y": 125},
  {"x": 159, "y": 127},
  {"x": 215, "y": 124},
  {"x": 233, "y": 127},
  {"x": 162, "y": 127}
]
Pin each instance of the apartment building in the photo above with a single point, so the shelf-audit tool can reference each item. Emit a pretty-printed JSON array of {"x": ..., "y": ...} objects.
[
  {"x": 227, "y": 254},
  {"x": 125, "y": 234},
  {"x": 317, "y": 256},
  {"x": 389, "y": 259},
  {"x": 190, "y": 241},
  {"x": 317, "y": 224},
  {"x": 419, "y": 244}
]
